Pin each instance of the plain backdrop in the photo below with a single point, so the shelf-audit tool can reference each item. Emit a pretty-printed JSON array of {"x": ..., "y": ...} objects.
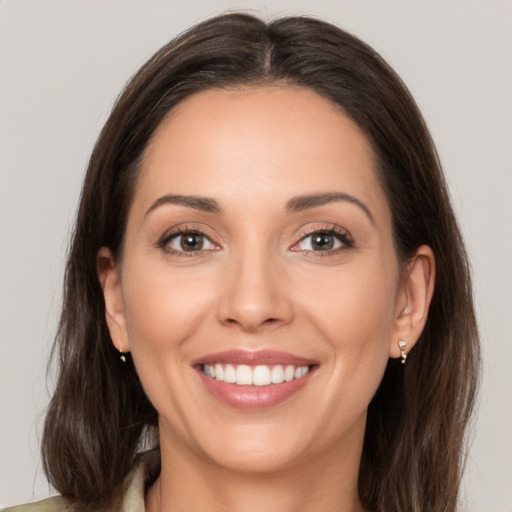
[{"x": 62, "y": 64}]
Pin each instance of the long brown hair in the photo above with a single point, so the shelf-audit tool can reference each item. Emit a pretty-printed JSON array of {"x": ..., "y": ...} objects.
[{"x": 99, "y": 417}]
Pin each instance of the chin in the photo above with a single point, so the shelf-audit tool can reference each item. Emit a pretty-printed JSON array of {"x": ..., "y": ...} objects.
[{"x": 255, "y": 459}]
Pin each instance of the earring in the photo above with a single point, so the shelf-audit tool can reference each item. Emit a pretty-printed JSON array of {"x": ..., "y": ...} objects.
[
  {"x": 122, "y": 355},
  {"x": 402, "y": 344}
]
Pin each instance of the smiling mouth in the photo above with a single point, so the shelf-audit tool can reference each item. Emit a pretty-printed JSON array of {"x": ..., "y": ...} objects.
[
  {"x": 254, "y": 380},
  {"x": 260, "y": 375}
]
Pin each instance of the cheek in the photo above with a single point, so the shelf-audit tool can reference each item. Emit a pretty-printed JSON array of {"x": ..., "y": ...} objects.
[
  {"x": 354, "y": 306},
  {"x": 163, "y": 307},
  {"x": 164, "y": 311},
  {"x": 353, "y": 309}
]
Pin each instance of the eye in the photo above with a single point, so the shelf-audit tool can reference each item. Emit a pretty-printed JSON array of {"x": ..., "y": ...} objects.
[
  {"x": 188, "y": 242},
  {"x": 323, "y": 241}
]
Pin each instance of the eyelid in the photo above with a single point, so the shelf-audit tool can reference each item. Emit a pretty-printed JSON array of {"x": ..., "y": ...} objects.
[
  {"x": 163, "y": 242},
  {"x": 342, "y": 234}
]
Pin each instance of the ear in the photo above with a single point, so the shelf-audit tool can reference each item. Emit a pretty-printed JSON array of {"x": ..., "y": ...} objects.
[
  {"x": 110, "y": 281},
  {"x": 414, "y": 300}
]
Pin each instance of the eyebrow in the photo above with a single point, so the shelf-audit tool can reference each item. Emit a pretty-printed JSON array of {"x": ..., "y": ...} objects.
[
  {"x": 204, "y": 204},
  {"x": 301, "y": 203},
  {"x": 294, "y": 205}
]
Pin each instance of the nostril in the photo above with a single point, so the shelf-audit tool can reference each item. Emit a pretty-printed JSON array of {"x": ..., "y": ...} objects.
[{"x": 267, "y": 321}]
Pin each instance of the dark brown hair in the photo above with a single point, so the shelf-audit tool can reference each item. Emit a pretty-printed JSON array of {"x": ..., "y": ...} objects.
[{"x": 99, "y": 416}]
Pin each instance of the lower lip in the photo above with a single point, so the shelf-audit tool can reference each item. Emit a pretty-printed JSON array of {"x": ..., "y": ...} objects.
[{"x": 253, "y": 397}]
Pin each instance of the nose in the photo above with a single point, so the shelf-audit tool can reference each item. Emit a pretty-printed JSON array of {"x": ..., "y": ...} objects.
[{"x": 255, "y": 293}]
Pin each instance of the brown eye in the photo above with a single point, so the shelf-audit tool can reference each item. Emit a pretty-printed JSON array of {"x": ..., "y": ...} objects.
[
  {"x": 188, "y": 242},
  {"x": 322, "y": 242},
  {"x": 191, "y": 242}
]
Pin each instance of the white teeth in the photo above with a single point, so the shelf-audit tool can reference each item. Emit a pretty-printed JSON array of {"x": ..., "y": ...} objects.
[
  {"x": 277, "y": 374},
  {"x": 299, "y": 372},
  {"x": 261, "y": 375},
  {"x": 243, "y": 375},
  {"x": 219, "y": 372},
  {"x": 230, "y": 374},
  {"x": 289, "y": 373}
]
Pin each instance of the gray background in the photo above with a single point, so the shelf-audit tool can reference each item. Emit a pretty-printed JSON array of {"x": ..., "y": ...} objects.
[{"x": 62, "y": 63}]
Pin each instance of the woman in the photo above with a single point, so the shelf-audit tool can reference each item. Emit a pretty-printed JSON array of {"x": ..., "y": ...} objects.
[{"x": 266, "y": 285}]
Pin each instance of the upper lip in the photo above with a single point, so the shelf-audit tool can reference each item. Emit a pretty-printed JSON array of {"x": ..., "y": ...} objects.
[{"x": 253, "y": 358}]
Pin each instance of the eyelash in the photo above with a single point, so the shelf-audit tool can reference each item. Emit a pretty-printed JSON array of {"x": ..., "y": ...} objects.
[
  {"x": 341, "y": 235},
  {"x": 168, "y": 237}
]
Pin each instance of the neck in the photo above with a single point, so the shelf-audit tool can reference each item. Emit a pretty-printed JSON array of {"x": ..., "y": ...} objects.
[{"x": 327, "y": 484}]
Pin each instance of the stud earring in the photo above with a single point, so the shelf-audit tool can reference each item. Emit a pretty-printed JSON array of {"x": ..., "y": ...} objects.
[
  {"x": 402, "y": 344},
  {"x": 122, "y": 355}
]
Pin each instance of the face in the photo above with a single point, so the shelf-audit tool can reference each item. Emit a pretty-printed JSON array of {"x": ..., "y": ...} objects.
[{"x": 258, "y": 250}]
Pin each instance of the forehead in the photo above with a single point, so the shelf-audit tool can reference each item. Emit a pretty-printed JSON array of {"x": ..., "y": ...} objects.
[{"x": 256, "y": 141}]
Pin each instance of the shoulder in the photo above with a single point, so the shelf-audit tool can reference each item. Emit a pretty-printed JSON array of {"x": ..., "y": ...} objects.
[
  {"x": 55, "y": 504},
  {"x": 131, "y": 498}
]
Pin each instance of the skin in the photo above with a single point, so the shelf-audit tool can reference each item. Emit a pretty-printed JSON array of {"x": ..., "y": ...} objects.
[{"x": 259, "y": 283}]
